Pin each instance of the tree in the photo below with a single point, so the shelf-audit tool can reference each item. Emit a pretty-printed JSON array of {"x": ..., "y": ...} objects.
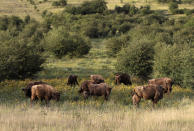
[
  {"x": 136, "y": 59},
  {"x": 61, "y": 43}
]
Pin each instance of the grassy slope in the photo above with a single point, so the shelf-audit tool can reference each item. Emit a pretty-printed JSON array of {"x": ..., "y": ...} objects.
[
  {"x": 23, "y": 8},
  {"x": 96, "y": 62},
  {"x": 18, "y": 8}
]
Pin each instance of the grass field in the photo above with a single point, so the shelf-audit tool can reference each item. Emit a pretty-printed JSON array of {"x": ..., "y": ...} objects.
[
  {"x": 96, "y": 62},
  {"x": 72, "y": 112},
  {"x": 87, "y": 119}
]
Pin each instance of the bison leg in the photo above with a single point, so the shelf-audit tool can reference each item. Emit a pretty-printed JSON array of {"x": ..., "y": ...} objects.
[
  {"x": 136, "y": 99},
  {"x": 85, "y": 94},
  {"x": 106, "y": 97}
]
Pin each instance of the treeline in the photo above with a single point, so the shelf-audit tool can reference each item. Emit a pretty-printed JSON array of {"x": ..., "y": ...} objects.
[{"x": 146, "y": 43}]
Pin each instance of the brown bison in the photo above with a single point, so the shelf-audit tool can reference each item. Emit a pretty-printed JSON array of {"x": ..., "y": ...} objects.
[
  {"x": 97, "y": 79},
  {"x": 148, "y": 92},
  {"x": 72, "y": 80},
  {"x": 27, "y": 89},
  {"x": 85, "y": 86},
  {"x": 90, "y": 89},
  {"x": 122, "y": 78},
  {"x": 44, "y": 92},
  {"x": 166, "y": 83}
]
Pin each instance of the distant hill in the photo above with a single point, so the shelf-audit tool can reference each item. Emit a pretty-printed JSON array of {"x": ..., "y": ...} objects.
[{"x": 34, "y": 8}]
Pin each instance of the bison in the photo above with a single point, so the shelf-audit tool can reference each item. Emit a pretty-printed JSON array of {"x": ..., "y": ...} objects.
[
  {"x": 165, "y": 82},
  {"x": 148, "y": 92},
  {"x": 44, "y": 92},
  {"x": 88, "y": 88},
  {"x": 97, "y": 79},
  {"x": 72, "y": 80},
  {"x": 27, "y": 90},
  {"x": 85, "y": 86},
  {"x": 122, "y": 78}
]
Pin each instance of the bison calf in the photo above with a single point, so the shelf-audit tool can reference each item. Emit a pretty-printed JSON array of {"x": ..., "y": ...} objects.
[
  {"x": 44, "y": 92},
  {"x": 149, "y": 92},
  {"x": 97, "y": 79},
  {"x": 72, "y": 80},
  {"x": 166, "y": 83},
  {"x": 122, "y": 78}
]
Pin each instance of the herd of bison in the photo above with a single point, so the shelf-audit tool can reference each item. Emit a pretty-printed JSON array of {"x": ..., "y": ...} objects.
[{"x": 96, "y": 86}]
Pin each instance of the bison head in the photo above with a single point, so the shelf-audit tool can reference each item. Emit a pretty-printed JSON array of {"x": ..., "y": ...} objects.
[{"x": 27, "y": 91}]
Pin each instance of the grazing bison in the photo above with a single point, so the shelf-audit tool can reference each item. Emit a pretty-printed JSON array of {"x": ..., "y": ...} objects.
[
  {"x": 88, "y": 88},
  {"x": 44, "y": 92},
  {"x": 149, "y": 92},
  {"x": 27, "y": 90},
  {"x": 84, "y": 86},
  {"x": 72, "y": 80},
  {"x": 122, "y": 78},
  {"x": 166, "y": 83},
  {"x": 97, "y": 79},
  {"x": 101, "y": 89}
]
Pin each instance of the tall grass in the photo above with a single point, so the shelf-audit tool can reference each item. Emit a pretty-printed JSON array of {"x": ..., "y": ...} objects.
[{"x": 25, "y": 118}]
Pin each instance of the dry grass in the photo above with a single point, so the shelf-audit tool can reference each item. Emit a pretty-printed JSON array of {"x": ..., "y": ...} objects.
[
  {"x": 42, "y": 118},
  {"x": 18, "y": 8}
]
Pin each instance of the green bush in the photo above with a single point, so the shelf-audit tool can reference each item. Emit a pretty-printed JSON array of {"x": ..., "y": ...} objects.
[
  {"x": 173, "y": 7},
  {"x": 92, "y": 7},
  {"x": 144, "y": 10},
  {"x": 126, "y": 9},
  {"x": 176, "y": 62},
  {"x": 115, "y": 44},
  {"x": 11, "y": 22},
  {"x": 61, "y": 43},
  {"x": 59, "y": 3},
  {"x": 19, "y": 58},
  {"x": 136, "y": 59}
]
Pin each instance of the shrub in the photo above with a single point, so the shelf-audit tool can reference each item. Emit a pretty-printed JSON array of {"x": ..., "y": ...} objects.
[
  {"x": 19, "y": 59},
  {"x": 176, "y": 62},
  {"x": 11, "y": 22},
  {"x": 136, "y": 59},
  {"x": 62, "y": 43},
  {"x": 127, "y": 9},
  {"x": 144, "y": 10},
  {"x": 59, "y": 3},
  {"x": 92, "y": 7},
  {"x": 115, "y": 44},
  {"x": 173, "y": 7}
]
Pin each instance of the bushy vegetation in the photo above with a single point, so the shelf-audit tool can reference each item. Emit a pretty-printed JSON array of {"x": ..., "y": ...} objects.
[
  {"x": 59, "y": 3},
  {"x": 20, "y": 50},
  {"x": 125, "y": 30},
  {"x": 177, "y": 1},
  {"x": 175, "y": 61},
  {"x": 62, "y": 43},
  {"x": 96, "y": 6},
  {"x": 136, "y": 59}
]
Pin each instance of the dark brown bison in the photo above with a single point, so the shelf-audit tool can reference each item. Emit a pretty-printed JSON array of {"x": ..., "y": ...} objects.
[
  {"x": 148, "y": 92},
  {"x": 122, "y": 78},
  {"x": 72, "y": 80},
  {"x": 85, "y": 86},
  {"x": 97, "y": 79},
  {"x": 166, "y": 83},
  {"x": 44, "y": 92},
  {"x": 90, "y": 89},
  {"x": 27, "y": 89}
]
